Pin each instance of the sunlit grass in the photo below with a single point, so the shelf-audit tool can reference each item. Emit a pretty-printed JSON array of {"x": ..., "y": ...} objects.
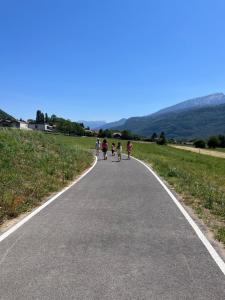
[{"x": 33, "y": 165}]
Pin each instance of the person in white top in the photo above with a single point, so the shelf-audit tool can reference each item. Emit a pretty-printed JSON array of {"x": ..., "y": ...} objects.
[
  {"x": 98, "y": 146},
  {"x": 119, "y": 150}
]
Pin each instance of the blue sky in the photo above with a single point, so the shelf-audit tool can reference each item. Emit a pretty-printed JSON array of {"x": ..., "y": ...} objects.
[{"x": 108, "y": 59}]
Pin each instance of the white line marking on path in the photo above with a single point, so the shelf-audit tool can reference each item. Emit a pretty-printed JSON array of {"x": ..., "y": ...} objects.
[
  {"x": 36, "y": 211},
  {"x": 219, "y": 261}
]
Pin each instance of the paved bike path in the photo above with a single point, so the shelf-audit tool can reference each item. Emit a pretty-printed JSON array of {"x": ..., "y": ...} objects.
[{"x": 116, "y": 234}]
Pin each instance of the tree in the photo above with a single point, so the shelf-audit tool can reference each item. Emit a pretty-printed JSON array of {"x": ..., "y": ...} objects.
[
  {"x": 46, "y": 118},
  {"x": 101, "y": 133},
  {"x": 108, "y": 133},
  {"x": 199, "y": 144},
  {"x": 126, "y": 135},
  {"x": 38, "y": 116},
  {"x": 154, "y": 137},
  {"x": 221, "y": 141},
  {"x": 162, "y": 139},
  {"x": 52, "y": 119},
  {"x": 42, "y": 120},
  {"x": 213, "y": 142}
]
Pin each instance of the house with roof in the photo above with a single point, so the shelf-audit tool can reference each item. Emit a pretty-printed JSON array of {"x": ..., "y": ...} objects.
[{"x": 13, "y": 124}]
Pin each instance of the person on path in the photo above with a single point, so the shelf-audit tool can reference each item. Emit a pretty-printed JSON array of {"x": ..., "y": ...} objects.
[
  {"x": 129, "y": 149},
  {"x": 98, "y": 146},
  {"x": 119, "y": 150},
  {"x": 105, "y": 147},
  {"x": 113, "y": 149}
]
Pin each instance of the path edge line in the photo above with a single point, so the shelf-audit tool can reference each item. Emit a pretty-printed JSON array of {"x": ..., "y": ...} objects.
[
  {"x": 40, "y": 208},
  {"x": 214, "y": 254}
]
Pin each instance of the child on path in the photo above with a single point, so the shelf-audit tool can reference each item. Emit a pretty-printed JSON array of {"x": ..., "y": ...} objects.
[
  {"x": 105, "y": 147},
  {"x": 129, "y": 149},
  {"x": 98, "y": 146},
  {"x": 113, "y": 149},
  {"x": 119, "y": 150}
]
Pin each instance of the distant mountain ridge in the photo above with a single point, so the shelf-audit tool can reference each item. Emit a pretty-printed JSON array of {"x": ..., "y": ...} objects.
[
  {"x": 194, "y": 118},
  {"x": 209, "y": 100},
  {"x": 92, "y": 124},
  {"x": 113, "y": 125},
  {"x": 4, "y": 116}
]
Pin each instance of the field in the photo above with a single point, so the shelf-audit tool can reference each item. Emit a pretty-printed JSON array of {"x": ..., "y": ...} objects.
[
  {"x": 32, "y": 166},
  {"x": 219, "y": 152}
]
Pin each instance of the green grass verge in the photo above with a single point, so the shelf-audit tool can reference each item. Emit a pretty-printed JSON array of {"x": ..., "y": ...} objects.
[{"x": 33, "y": 165}]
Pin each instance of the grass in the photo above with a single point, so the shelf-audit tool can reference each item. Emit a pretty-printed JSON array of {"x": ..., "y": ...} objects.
[
  {"x": 33, "y": 165},
  {"x": 219, "y": 149},
  {"x": 200, "y": 179}
]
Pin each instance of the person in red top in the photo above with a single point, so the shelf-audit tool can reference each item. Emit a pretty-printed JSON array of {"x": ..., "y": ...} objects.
[
  {"x": 105, "y": 147},
  {"x": 129, "y": 149}
]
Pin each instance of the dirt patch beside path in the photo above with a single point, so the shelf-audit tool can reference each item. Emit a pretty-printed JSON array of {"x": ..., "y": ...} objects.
[{"x": 200, "y": 151}]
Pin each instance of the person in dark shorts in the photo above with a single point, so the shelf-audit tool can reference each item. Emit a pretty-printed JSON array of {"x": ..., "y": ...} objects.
[{"x": 105, "y": 147}]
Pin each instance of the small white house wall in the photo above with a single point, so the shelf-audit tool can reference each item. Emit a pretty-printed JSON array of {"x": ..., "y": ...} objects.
[
  {"x": 23, "y": 125},
  {"x": 41, "y": 127}
]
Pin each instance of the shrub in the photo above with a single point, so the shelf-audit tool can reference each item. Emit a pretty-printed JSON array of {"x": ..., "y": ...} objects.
[
  {"x": 199, "y": 144},
  {"x": 213, "y": 142},
  {"x": 162, "y": 139}
]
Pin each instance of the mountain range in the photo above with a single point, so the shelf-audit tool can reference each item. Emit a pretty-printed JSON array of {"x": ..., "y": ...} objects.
[
  {"x": 195, "y": 118},
  {"x": 92, "y": 124}
]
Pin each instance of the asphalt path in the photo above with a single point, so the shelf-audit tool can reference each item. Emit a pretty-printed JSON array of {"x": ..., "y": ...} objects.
[{"x": 116, "y": 234}]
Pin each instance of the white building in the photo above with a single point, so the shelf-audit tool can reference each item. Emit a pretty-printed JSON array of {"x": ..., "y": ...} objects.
[
  {"x": 14, "y": 124},
  {"x": 22, "y": 125},
  {"x": 41, "y": 127},
  {"x": 117, "y": 135}
]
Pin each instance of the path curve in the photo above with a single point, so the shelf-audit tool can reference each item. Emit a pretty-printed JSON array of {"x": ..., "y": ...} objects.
[{"x": 116, "y": 234}]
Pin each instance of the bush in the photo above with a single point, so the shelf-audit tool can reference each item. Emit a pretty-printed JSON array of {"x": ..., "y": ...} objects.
[
  {"x": 199, "y": 144},
  {"x": 213, "y": 142},
  {"x": 162, "y": 139},
  {"x": 221, "y": 141}
]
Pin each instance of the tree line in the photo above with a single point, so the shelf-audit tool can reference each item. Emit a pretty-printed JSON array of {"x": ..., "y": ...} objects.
[
  {"x": 62, "y": 125},
  {"x": 69, "y": 127},
  {"x": 213, "y": 142}
]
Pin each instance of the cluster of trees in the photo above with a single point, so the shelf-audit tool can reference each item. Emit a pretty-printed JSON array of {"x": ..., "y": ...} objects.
[
  {"x": 41, "y": 118},
  {"x": 61, "y": 125},
  {"x": 68, "y": 127},
  {"x": 159, "y": 139},
  {"x": 213, "y": 142}
]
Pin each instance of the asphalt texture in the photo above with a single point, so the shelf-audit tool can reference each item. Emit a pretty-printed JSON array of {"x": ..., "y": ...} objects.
[{"x": 116, "y": 234}]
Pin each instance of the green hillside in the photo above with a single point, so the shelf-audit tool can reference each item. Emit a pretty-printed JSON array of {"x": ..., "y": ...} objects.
[
  {"x": 4, "y": 115},
  {"x": 189, "y": 124}
]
